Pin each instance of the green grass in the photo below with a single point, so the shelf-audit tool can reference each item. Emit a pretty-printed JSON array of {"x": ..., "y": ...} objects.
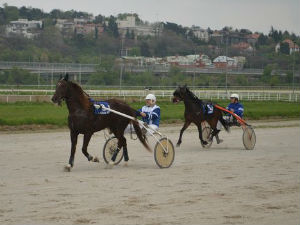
[
  {"x": 32, "y": 113},
  {"x": 47, "y": 113},
  {"x": 263, "y": 110}
]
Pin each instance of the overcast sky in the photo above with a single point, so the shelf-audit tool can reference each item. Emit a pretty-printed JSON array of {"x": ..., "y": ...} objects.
[{"x": 256, "y": 15}]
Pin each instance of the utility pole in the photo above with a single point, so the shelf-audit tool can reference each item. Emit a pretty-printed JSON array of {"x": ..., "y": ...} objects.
[
  {"x": 194, "y": 76},
  {"x": 226, "y": 71},
  {"x": 194, "y": 67},
  {"x": 294, "y": 71},
  {"x": 80, "y": 73},
  {"x": 121, "y": 66},
  {"x": 39, "y": 76},
  {"x": 51, "y": 77},
  {"x": 121, "y": 75}
]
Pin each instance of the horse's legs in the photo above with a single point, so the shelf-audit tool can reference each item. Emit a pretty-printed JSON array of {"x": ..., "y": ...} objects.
[
  {"x": 74, "y": 136},
  {"x": 121, "y": 143},
  {"x": 119, "y": 134},
  {"x": 185, "y": 125},
  {"x": 86, "y": 140},
  {"x": 126, "y": 158},
  {"x": 199, "y": 126},
  {"x": 215, "y": 132}
]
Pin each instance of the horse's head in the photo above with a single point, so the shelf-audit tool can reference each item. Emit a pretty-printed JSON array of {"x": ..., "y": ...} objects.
[
  {"x": 61, "y": 90},
  {"x": 179, "y": 93}
]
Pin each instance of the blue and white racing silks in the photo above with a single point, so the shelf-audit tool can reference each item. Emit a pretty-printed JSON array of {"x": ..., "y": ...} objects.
[
  {"x": 152, "y": 114},
  {"x": 237, "y": 107}
]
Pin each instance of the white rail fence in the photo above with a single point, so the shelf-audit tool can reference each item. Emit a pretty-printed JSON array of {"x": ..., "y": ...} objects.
[{"x": 252, "y": 95}]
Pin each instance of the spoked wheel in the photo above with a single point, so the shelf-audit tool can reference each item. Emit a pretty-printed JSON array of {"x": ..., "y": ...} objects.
[
  {"x": 206, "y": 135},
  {"x": 164, "y": 153},
  {"x": 110, "y": 147},
  {"x": 249, "y": 138}
]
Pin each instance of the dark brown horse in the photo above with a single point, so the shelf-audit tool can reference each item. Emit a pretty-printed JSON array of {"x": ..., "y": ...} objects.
[
  {"x": 82, "y": 120},
  {"x": 194, "y": 113}
]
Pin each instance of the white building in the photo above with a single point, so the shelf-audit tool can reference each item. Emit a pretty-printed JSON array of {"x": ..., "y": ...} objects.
[
  {"x": 204, "y": 60},
  {"x": 65, "y": 26},
  {"x": 129, "y": 22},
  {"x": 188, "y": 60},
  {"x": 129, "y": 25},
  {"x": 83, "y": 21},
  {"x": 240, "y": 61},
  {"x": 80, "y": 21},
  {"x": 222, "y": 61},
  {"x": 28, "y": 29},
  {"x": 200, "y": 33}
]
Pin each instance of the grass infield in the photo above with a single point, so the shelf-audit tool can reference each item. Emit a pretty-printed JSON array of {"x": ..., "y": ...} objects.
[{"x": 22, "y": 113}]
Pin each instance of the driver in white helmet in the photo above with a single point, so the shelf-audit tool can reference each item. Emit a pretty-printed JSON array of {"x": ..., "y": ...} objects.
[
  {"x": 235, "y": 107},
  {"x": 150, "y": 113}
]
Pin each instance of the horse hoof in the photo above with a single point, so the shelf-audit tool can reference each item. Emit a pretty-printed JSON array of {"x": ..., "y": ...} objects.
[
  {"x": 178, "y": 144},
  {"x": 96, "y": 159},
  {"x": 110, "y": 165},
  {"x": 204, "y": 142},
  {"x": 67, "y": 168},
  {"x": 125, "y": 164}
]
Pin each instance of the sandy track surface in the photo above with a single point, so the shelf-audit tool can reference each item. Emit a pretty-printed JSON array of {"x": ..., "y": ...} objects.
[{"x": 223, "y": 185}]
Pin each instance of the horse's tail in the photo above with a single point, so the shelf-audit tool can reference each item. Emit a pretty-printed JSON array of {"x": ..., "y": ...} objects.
[
  {"x": 223, "y": 122},
  {"x": 140, "y": 135}
]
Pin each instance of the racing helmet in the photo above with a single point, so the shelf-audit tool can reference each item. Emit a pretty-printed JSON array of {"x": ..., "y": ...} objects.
[
  {"x": 234, "y": 96},
  {"x": 151, "y": 97}
]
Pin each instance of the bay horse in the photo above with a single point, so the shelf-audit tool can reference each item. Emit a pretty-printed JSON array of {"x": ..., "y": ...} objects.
[
  {"x": 82, "y": 120},
  {"x": 194, "y": 113}
]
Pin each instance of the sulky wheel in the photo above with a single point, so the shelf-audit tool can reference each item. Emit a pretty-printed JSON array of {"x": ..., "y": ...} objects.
[
  {"x": 249, "y": 138},
  {"x": 110, "y": 147},
  {"x": 164, "y": 159},
  {"x": 206, "y": 135}
]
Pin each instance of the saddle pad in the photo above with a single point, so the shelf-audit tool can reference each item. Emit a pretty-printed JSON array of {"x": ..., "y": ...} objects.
[
  {"x": 100, "y": 111},
  {"x": 208, "y": 109}
]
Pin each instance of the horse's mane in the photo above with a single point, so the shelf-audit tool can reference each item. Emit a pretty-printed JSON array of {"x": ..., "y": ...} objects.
[
  {"x": 82, "y": 95},
  {"x": 78, "y": 88},
  {"x": 194, "y": 97}
]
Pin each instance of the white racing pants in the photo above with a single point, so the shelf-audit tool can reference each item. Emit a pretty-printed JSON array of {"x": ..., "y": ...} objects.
[{"x": 130, "y": 129}]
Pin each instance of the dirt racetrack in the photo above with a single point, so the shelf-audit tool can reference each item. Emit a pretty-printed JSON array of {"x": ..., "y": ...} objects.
[{"x": 223, "y": 185}]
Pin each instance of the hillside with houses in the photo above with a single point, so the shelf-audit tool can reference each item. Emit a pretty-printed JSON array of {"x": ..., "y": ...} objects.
[{"x": 32, "y": 35}]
